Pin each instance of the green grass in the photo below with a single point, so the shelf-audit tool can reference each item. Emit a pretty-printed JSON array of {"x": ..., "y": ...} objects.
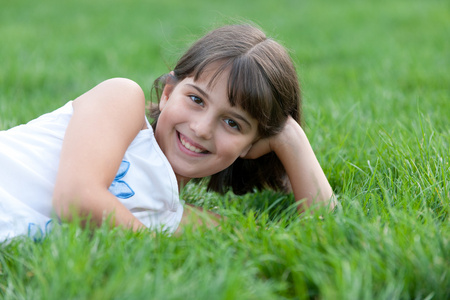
[{"x": 376, "y": 90}]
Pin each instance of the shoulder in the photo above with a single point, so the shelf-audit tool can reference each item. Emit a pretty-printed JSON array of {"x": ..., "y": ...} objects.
[
  {"x": 123, "y": 84},
  {"x": 113, "y": 95},
  {"x": 119, "y": 88}
]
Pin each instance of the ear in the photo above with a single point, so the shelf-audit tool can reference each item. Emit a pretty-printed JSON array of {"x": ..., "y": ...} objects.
[{"x": 168, "y": 88}]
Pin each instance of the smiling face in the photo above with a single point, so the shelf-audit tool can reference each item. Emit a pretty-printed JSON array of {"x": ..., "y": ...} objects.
[{"x": 198, "y": 130}]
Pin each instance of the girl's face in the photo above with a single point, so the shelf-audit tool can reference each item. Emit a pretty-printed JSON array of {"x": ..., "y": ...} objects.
[{"x": 198, "y": 130}]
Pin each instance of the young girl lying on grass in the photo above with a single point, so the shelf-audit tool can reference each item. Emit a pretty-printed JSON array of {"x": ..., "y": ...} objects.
[{"x": 229, "y": 110}]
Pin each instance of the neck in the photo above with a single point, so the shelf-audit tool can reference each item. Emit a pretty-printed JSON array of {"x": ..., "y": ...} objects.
[{"x": 182, "y": 181}]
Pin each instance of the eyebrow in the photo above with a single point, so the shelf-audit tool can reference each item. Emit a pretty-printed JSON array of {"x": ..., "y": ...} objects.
[
  {"x": 201, "y": 91},
  {"x": 206, "y": 95}
]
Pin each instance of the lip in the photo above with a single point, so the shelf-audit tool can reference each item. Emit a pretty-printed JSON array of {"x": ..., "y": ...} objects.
[{"x": 188, "y": 151}]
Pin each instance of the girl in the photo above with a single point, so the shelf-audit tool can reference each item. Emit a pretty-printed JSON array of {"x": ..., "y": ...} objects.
[{"x": 229, "y": 110}]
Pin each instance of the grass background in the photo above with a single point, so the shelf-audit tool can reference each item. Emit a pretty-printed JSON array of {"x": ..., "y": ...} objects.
[{"x": 376, "y": 91}]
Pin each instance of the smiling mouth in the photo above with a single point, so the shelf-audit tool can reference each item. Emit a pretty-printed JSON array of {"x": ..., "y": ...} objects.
[{"x": 190, "y": 147}]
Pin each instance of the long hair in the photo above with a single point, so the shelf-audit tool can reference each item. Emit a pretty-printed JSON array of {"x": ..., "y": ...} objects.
[{"x": 262, "y": 80}]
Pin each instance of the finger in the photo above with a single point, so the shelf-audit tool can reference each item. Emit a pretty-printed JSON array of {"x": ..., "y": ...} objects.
[{"x": 258, "y": 149}]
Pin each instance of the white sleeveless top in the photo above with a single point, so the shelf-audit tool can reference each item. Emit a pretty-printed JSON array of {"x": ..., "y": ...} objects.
[{"x": 29, "y": 159}]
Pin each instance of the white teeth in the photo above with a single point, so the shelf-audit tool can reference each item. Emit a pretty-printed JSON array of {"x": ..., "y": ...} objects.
[{"x": 190, "y": 147}]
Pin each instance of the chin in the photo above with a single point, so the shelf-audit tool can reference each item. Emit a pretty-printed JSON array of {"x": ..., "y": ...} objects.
[{"x": 191, "y": 175}]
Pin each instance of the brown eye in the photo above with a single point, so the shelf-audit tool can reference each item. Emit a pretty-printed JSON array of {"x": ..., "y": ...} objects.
[
  {"x": 196, "y": 100},
  {"x": 232, "y": 124}
]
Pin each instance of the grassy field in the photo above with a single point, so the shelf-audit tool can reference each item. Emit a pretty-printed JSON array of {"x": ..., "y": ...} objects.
[{"x": 376, "y": 90}]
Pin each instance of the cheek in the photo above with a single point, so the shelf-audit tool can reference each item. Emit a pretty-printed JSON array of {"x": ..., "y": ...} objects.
[
  {"x": 175, "y": 111},
  {"x": 164, "y": 126},
  {"x": 232, "y": 147},
  {"x": 169, "y": 115}
]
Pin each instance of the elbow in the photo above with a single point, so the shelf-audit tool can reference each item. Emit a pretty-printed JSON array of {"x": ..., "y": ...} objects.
[
  {"x": 329, "y": 200},
  {"x": 322, "y": 202},
  {"x": 64, "y": 206},
  {"x": 69, "y": 205},
  {"x": 332, "y": 202}
]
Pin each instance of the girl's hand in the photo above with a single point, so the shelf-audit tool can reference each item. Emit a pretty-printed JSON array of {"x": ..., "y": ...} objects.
[
  {"x": 267, "y": 145},
  {"x": 309, "y": 183}
]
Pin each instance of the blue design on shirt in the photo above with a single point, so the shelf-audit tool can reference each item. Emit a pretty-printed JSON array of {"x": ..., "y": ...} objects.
[
  {"x": 36, "y": 233},
  {"x": 118, "y": 187}
]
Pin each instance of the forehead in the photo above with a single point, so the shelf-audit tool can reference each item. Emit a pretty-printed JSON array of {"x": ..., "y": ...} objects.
[
  {"x": 212, "y": 86},
  {"x": 212, "y": 79},
  {"x": 211, "y": 74},
  {"x": 246, "y": 85}
]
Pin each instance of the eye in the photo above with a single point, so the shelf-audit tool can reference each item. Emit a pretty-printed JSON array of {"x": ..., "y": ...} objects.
[
  {"x": 232, "y": 124},
  {"x": 196, "y": 100}
]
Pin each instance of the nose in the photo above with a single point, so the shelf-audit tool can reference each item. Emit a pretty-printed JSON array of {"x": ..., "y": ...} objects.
[{"x": 203, "y": 126}]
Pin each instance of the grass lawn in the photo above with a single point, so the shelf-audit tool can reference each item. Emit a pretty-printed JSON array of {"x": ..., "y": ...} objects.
[{"x": 376, "y": 90}]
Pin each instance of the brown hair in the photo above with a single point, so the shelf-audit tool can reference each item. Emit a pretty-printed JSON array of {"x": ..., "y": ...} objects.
[{"x": 262, "y": 80}]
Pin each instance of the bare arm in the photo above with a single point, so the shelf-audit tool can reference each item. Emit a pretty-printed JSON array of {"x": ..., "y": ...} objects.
[
  {"x": 307, "y": 178},
  {"x": 196, "y": 216},
  {"x": 105, "y": 121}
]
